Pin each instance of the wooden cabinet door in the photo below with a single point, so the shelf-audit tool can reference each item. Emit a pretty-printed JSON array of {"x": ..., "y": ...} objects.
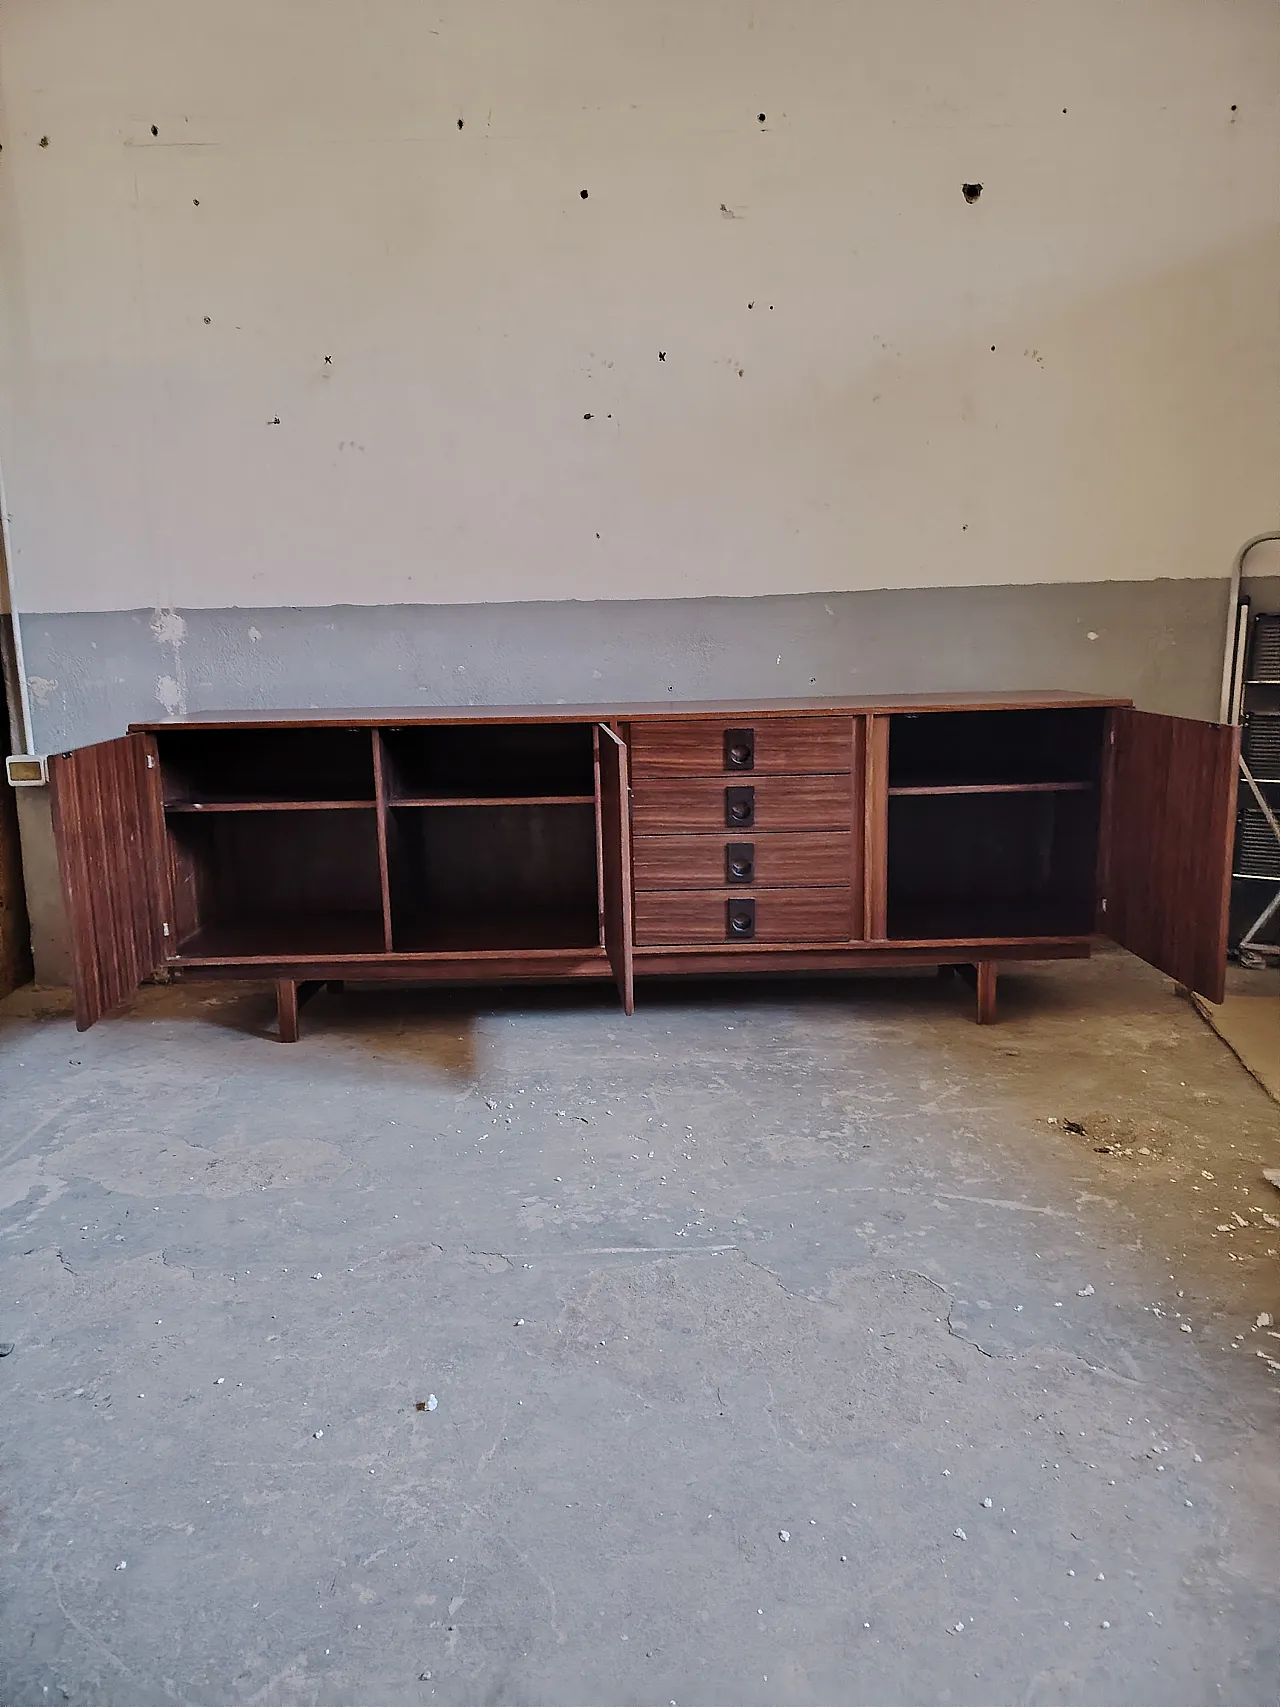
[
  {"x": 1167, "y": 831},
  {"x": 108, "y": 826},
  {"x": 615, "y": 861}
]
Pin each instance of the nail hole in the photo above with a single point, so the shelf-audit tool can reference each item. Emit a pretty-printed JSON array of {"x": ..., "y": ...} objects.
[
  {"x": 760, "y": 116},
  {"x": 993, "y": 347},
  {"x": 971, "y": 192},
  {"x": 208, "y": 321},
  {"x": 1234, "y": 108},
  {"x": 155, "y": 130},
  {"x": 459, "y": 124},
  {"x": 662, "y": 355},
  {"x": 44, "y": 142},
  {"x": 195, "y": 201},
  {"x": 583, "y": 194},
  {"x": 586, "y": 417}
]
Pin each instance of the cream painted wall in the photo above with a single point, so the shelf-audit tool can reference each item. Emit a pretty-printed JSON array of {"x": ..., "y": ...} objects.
[{"x": 854, "y": 428}]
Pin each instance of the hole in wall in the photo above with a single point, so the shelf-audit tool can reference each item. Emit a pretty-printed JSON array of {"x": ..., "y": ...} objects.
[
  {"x": 971, "y": 192},
  {"x": 459, "y": 124},
  {"x": 44, "y": 142},
  {"x": 761, "y": 117},
  {"x": 155, "y": 130},
  {"x": 583, "y": 194}
]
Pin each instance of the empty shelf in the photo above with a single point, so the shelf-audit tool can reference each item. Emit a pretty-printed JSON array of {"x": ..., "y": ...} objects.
[
  {"x": 990, "y": 788},
  {"x": 984, "y": 919},
  {"x": 216, "y": 805},
  {"x": 287, "y": 936},
  {"x": 536, "y": 930}
]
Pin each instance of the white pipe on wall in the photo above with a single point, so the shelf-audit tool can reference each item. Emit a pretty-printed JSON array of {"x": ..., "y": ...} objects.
[{"x": 23, "y": 692}]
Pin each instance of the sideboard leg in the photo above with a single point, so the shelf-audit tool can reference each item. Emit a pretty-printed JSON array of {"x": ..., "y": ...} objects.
[
  {"x": 290, "y": 996},
  {"x": 287, "y": 1009},
  {"x": 986, "y": 992}
]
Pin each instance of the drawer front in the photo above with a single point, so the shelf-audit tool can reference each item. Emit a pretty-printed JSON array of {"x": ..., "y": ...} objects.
[
  {"x": 739, "y": 746},
  {"x": 765, "y": 803},
  {"x": 769, "y": 861},
  {"x": 729, "y": 916}
]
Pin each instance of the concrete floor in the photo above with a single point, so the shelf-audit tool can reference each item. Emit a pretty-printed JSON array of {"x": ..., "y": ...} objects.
[{"x": 808, "y": 1261}]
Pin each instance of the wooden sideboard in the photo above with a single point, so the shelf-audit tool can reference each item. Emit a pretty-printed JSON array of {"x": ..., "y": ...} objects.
[{"x": 554, "y": 842}]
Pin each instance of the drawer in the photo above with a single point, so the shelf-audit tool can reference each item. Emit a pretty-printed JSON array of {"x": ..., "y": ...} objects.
[
  {"x": 781, "y": 745},
  {"x": 732, "y": 915},
  {"x": 771, "y": 861},
  {"x": 765, "y": 803}
]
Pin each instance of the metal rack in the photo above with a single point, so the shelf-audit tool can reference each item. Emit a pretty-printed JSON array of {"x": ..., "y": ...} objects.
[{"x": 1257, "y": 851}]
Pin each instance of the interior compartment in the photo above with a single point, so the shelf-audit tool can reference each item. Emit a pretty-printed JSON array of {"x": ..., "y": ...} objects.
[
  {"x": 941, "y": 748},
  {"x": 992, "y": 865},
  {"x": 493, "y": 877},
  {"x": 209, "y": 767},
  {"x": 489, "y": 761},
  {"x": 277, "y": 883}
]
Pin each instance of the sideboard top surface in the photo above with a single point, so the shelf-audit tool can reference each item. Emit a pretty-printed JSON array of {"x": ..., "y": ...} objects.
[{"x": 402, "y": 715}]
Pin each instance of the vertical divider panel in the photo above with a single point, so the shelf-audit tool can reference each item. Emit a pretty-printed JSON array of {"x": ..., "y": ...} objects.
[
  {"x": 384, "y": 870},
  {"x": 595, "y": 762},
  {"x": 858, "y": 837},
  {"x": 875, "y": 828},
  {"x": 164, "y": 887}
]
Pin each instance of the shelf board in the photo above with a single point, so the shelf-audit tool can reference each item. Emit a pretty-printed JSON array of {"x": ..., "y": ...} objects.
[
  {"x": 980, "y": 920},
  {"x": 574, "y": 930},
  {"x": 989, "y": 788},
  {"x": 287, "y": 936},
  {"x": 181, "y": 806},
  {"x": 493, "y": 800}
]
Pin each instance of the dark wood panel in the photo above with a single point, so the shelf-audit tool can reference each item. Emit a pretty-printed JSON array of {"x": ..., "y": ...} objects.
[
  {"x": 488, "y": 760},
  {"x": 450, "y": 863},
  {"x": 780, "y": 915},
  {"x": 384, "y": 866},
  {"x": 781, "y": 803},
  {"x": 991, "y": 865},
  {"x": 615, "y": 859},
  {"x": 875, "y": 822},
  {"x": 1170, "y": 822},
  {"x": 779, "y": 859},
  {"x": 781, "y": 745},
  {"x": 268, "y": 764},
  {"x": 1009, "y": 746},
  {"x": 105, "y": 822},
  {"x": 410, "y": 716}
]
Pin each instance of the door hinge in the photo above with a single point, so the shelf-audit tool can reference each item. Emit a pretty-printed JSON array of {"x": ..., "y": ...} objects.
[
  {"x": 165, "y": 928},
  {"x": 1102, "y": 905},
  {"x": 151, "y": 763}
]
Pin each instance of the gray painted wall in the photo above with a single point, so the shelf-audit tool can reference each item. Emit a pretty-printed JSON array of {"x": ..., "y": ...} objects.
[{"x": 1157, "y": 642}]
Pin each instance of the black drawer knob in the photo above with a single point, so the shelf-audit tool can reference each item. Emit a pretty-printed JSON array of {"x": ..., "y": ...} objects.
[
  {"x": 739, "y": 749},
  {"x": 739, "y": 862},
  {"x": 739, "y": 806},
  {"x": 739, "y": 919}
]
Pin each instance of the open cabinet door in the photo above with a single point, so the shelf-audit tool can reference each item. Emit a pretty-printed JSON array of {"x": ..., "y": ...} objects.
[
  {"x": 107, "y": 827},
  {"x": 1168, "y": 828},
  {"x": 615, "y": 860}
]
